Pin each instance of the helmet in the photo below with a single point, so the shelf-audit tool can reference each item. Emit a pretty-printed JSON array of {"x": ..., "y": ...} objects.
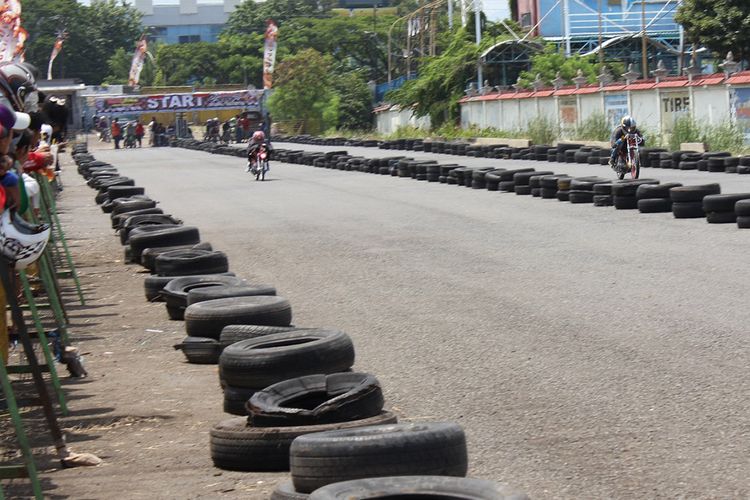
[
  {"x": 628, "y": 123},
  {"x": 19, "y": 85},
  {"x": 259, "y": 136},
  {"x": 20, "y": 242}
]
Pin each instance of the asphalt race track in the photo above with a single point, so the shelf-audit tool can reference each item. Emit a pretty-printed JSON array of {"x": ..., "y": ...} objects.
[{"x": 588, "y": 352}]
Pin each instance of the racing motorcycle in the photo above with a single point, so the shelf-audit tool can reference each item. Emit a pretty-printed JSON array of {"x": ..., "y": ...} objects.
[
  {"x": 259, "y": 163},
  {"x": 629, "y": 160}
]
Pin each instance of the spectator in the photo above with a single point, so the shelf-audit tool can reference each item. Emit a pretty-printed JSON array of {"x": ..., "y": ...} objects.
[
  {"x": 245, "y": 124},
  {"x": 139, "y": 133},
  {"x": 237, "y": 130},
  {"x": 116, "y": 133},
  {"x": 153, "y": 127}
]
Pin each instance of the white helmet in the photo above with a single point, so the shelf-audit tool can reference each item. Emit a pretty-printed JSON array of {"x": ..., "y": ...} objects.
[{"x": 20, "y": 242}]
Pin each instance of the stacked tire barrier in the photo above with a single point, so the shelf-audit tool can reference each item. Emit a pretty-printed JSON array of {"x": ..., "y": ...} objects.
[
  {"x": 712, "y": 161},
  {"x": 687, "y": 202},
  {"x": 301, "y": 406}
]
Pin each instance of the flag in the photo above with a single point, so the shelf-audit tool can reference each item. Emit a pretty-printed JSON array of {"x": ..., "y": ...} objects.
[
  {"x": 269, "y": 54},
  {"x": 12, "y": 35},
  {"x": 141, "y": 47},
  {"x": 56, "y": 48}
]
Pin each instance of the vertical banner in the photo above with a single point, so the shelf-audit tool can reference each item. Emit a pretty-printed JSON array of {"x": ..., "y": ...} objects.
[
  {"x": 269, "y": 54},
  {"x": 568, "y": 112},
  {"x": 615, "y": 107},
  {"x": 61, "y": 35},
  {"x": 674, "y": 105},
  {"x": 12, "y": 35},
  {"x": 741, "y": 110},
  {"x": 139, "y": 56}
]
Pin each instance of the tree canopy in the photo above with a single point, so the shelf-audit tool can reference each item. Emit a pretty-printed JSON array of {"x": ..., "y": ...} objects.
[
  {"x": 95, "y": 32},
  {"x": 250, "y": 17},
  {"x": 720, "y": 25},
  {"x": 548, "y": 63}
]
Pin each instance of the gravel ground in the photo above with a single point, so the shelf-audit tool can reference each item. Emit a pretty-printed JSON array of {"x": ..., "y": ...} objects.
[{"x": 588, "y": 352}]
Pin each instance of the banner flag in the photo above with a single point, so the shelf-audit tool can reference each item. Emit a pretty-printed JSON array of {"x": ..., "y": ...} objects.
[
  {"x": 269, "y": 54},
  {"x": 139, "y": 57},
  {"x": 12, "y": 35},
  {"x": 61, "y": 36}
]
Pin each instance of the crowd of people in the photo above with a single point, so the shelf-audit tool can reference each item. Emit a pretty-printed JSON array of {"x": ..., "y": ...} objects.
[
  {"x": 32, "y": 132},
  {"x": 130, "y": 133},
  {"x": 237, "y": 129}
]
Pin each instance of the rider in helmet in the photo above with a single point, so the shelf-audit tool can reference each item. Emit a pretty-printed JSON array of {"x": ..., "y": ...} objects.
[
  {"x": 256, "y": 141},
  {"x": 627, "y": 126}
]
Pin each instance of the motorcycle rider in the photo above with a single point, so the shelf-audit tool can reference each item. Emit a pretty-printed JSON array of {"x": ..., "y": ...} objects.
[
  {"x": 617, "y": 142},
  {"x": 258, "y": 139}
]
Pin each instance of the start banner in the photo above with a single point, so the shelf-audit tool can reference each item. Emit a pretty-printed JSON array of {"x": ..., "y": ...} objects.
[{"x": 247, "y": 100}]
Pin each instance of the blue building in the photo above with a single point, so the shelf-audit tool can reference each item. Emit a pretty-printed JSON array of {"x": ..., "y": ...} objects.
[
  {"x": 186, "y": 22},
  {"x": 578, "y": 26}
]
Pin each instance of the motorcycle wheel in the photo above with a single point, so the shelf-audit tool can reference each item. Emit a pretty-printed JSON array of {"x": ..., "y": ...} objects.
[{"x": 635, "y": 170}]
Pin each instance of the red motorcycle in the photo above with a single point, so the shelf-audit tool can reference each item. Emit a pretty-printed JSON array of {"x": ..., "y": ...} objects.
[
  {"x": 259, "y": 163},
  {"x": 629, "y": 160}
]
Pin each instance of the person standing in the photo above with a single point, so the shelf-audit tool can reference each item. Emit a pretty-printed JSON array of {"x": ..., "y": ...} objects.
[
  {"x": 139, "y": 133},
  {"x": 116, "y": 133},
  {"x": 245, "y": 124},
  {"x": 152, "y": 129}
]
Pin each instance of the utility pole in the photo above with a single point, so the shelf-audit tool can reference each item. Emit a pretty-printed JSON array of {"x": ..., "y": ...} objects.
[
  {"x": 644, "y": 40},
  {"x": 599, "y": 12},
  {"x": 478, "y": 29},
  {"x": 566, "y": 26}
]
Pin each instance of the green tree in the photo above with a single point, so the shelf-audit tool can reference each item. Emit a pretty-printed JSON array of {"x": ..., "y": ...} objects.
[
  {"x": 250, "y": 17},
  {"x": 720, "y": 25},
  {"x": 303, "y": 90},
  {"x": 95, "y": 31},
  {"x": 441, "y": 80},
  {"x": 354, "y": 101}
]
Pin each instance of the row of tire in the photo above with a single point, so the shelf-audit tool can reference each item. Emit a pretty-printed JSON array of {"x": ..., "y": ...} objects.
[
  {"x": 301, "y": 406},
  {"x": 645, "y": 195},
  {"x": 562, "y": 153}
]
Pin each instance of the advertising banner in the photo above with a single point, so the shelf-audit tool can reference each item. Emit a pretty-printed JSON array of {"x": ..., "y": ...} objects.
[
  {"x": 12, "y": 35},
  {"x": 55, "y": 51},
  {"x": 269, "y": 54},
  {"x": 139, "y": 57},
  {"x": 248, "y": 100},
  {"x": 615, "y": 107},
  {"x": 741, "y": 109},
  {"x": 568, "y": 112}
]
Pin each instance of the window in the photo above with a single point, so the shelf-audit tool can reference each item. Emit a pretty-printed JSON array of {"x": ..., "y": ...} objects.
[
  {"x": 188, "y": 38},
  {"x": 526, "y": 19}
]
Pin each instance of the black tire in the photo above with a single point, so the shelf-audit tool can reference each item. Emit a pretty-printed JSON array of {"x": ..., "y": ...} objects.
[
  {"x": 236, "y": 333},
  {"x": 625, "y": 202},
  {"x": 149, "y": 255},
  {"x": 147, "y": 228},
  {"x": 187, "y": 262},
  {"x": 206, "y": 319},
  {"x": 688, "y": 210},
  {"x": 317, "y": 399},
  {"x": 563, "y": 195},
  {"x": 237, "y": 446},
  {"x": 723, "y": 202},
  {"x": 226, "y": 291},
  {"x": 430, "y": 448},
  {"x": 116, "y": 192},
  {"x": 118, "y": 219},
  {"x": 603, "y": 200},
  {"x": 285, "y": 491},
  {"x": 743, "y": 222},
  {"x": 200, "y": 350},
  {"x": 684, "y": 194},
  {"x": 236, "y": 398},
  {"x": 506, "y": 186},
  {"x": 522, "y": 190},
  {"x": 124, "y": 205},
  {"x": 424, "y": 487},
  {"x": 649, "y": 191},
  {"x": 581, "y": 196},
  {"x": 182, "y": 235},
  {"x": 721, "y": 217},
  {"x": 175, "y": 292},
  {"x": 262, "y": 361},
  {"x": 654, "y": 205},
  {"x": 153, "y": 285},
  {"x": 630, "y": 187},
  {"x": 742, "y": 208}
]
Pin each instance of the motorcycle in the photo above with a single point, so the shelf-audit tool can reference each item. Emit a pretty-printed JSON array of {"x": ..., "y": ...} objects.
[
  {"x": 259, "y": 163},
  {"x": 630, "y": 159}
]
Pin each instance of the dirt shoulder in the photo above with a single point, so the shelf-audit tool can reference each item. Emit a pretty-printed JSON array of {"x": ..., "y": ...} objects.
[{"x": 143, "y": 409}]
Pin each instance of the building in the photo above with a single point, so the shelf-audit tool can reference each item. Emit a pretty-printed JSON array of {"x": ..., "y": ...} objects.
[
  {"x": 185, "y": 22},
  {"x": 614, "y": 26}
]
